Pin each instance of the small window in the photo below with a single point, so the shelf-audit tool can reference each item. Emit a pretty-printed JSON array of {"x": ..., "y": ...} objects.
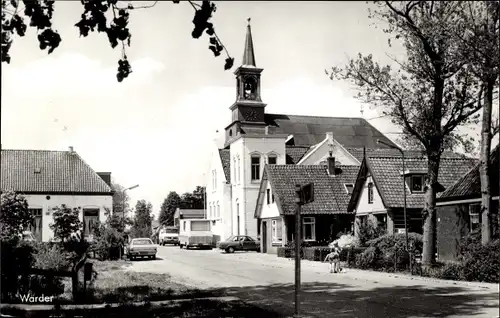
[
  {"x": 276, "y": 231},
  {"x": 370, "y": 193},
  {"x": 272, "y": 197},
  {"x": 417, "y": 183},
  {"x": 268, "y": 196},
  {"x": 239, "y": 170},
  {"x": 272, "y": 160},
  {"x": 255, "y": 168},
  {"x": 475, "y": 216},
  {"x": 309, "y": 229},
  {"x": 349, "y": 187},
  {"x": 230, "y": 132}
]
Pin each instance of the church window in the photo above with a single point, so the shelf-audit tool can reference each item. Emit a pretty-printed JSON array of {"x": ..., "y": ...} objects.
[
  {"x": 272, "y": 160},
  {"x": 255, "y": 167}
]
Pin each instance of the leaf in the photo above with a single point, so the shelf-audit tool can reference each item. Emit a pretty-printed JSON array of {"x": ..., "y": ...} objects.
[
  {"x": 213, "y": 40},
  {"x": 229, "y": 63},
  {"x": 14, "y": 3},
  {"x": 214, "y": 50}
]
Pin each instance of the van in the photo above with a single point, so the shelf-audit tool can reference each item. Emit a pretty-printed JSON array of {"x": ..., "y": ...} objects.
[
  {"x": 169, "y": 235},
  {"x": 195, "y": 233}
]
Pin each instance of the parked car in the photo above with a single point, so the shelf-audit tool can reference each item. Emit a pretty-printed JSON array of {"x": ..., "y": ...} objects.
[
  {"x": 169, "y": 235},
  {"x": 141, "y": 247},
  {"x": 240, "y": 243}
]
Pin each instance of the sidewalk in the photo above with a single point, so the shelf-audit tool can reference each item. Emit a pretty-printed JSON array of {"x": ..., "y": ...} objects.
[{"x": 368, "y": 275}]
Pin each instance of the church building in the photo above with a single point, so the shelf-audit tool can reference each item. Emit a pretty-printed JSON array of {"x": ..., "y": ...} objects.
[{"x": 254, "y": 139}]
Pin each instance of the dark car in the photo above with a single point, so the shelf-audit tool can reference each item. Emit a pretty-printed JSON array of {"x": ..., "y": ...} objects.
[{"x": 240, "y": 243}]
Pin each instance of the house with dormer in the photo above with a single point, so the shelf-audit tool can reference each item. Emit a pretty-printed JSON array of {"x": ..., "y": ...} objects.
[
  {"x": 322, "y": 219},
  {"x": 379, "y": 190},
  {"x": 255, "y": 138},
  {"x": 49, "y": 179}
]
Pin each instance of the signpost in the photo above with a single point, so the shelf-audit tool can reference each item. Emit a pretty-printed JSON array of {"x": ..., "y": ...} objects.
[{"x": 304, "y": 195}]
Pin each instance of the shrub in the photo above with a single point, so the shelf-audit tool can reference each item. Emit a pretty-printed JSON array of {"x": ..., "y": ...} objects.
[
  {"x": 107, "y": 242},
  {"x": 316, "y": 253},
  {"x": 482, "y": 263},
  {"x": 452, "y": 271},
  {"x": 14, "y": 215},
  {"x": 368, "y": 230},
  {"x": 16, "y": 260},
  {"x": 66, "y": 222},
  {"x": 347, "y": 241},
  {"x": 388, "y": 252}
]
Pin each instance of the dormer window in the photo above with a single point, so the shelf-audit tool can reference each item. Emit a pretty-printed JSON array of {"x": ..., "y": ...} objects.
[
  {"x": 349, "y": 187},
  {"x": 38, "y": 170},
  {"x": 417, "y": 183}
]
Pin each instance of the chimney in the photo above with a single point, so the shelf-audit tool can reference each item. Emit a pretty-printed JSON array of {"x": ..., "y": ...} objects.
[
  {"x": 105, "y": 176},
  {"x": 71, "y": 149}
]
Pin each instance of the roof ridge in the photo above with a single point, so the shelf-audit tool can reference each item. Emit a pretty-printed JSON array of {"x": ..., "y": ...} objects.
[
  {"x": 37, "y": 150},
  {"x": 316, "y": 116}
]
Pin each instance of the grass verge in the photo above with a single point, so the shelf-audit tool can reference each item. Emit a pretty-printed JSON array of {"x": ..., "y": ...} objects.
[{"x": 112, "y": 283}]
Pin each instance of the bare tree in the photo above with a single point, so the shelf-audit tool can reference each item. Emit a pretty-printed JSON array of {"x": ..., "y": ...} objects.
[{"x": 429, "y": 94}]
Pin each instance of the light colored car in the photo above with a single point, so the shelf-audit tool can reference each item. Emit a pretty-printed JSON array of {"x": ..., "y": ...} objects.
[
  {"x": 141, "y": 247},
  {"x": 169, "y": 235}
]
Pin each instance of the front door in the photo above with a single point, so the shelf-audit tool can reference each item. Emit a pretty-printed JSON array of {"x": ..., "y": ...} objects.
[
  {"x": 36, "y": 226},
  {"x": 264, "y": 237}
]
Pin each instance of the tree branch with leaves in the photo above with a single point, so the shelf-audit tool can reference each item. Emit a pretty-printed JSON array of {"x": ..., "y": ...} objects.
[{"x": 94, "y": 19}]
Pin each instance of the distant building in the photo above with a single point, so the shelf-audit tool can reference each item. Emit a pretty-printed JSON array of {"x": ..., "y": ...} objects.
[
  {"x": 51, "y": 178},
  {"x": 255, "y": 138},
  {"x": 188, "y": 214}
]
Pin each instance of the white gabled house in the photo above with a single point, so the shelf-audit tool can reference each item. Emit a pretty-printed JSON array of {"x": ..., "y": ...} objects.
[{"x": 51, "y": 178}]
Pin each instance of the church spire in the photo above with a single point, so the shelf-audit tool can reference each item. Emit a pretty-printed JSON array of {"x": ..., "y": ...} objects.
[{"x": 248, "y": 54}]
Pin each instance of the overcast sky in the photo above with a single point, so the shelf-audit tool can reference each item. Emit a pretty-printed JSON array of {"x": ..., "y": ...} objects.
[{"x": 156, "y": 129}]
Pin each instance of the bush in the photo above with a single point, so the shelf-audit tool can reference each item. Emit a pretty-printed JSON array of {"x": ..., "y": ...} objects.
[
  {"x": 316, "y": 253},
  {"x": 16, "y": 260},
  {"x": 388, "y": 252},
  {"x": 481, "y": 263},
  {"x": 66, "y": 222},
  {"x": 14, "y": 215},
  {"x": 107, "y": 242},
  {"x": 452, "y": 271},
  {"x": 347, "y": 241},
  {"x": 368, "y": 230}
]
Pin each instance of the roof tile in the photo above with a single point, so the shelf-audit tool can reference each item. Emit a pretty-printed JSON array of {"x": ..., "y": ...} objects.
[
  {"x": 48, "y": 171},
  {"x": 330, "y": 196}
]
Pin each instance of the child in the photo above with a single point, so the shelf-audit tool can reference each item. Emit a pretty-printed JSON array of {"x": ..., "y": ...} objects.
[{"x": 334, "y": 258}]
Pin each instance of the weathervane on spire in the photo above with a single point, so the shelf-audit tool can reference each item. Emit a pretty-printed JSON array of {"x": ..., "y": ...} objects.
[{"x": 249, "y": 20}]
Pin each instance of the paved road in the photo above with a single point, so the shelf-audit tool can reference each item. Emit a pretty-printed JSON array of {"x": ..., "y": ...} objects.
[{"x": 268, "y": 281}]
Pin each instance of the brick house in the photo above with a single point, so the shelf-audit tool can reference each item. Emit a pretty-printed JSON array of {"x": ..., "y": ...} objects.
[
  {"x": 459, "y": 208},
  {"x": 51, "y": 178},
  {"x": 321, "y": 219},
  {"x": 378, "y": 192}
]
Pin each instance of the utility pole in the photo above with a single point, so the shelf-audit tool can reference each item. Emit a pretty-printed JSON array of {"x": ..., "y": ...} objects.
[
  {"x": 298, "y": 201},
  {"x": 304, "y": 194}
]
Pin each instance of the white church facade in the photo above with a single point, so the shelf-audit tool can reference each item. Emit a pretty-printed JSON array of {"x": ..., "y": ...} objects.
[{"x": 255, "y": 138}]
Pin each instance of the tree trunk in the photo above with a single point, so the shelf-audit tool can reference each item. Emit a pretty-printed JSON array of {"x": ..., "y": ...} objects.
[
  {"x": 429, "y": 212},
  {"x": 485, "y": 165}
]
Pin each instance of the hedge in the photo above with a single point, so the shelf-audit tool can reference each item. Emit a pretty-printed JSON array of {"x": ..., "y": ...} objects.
[{"x": 318, "y": 253}]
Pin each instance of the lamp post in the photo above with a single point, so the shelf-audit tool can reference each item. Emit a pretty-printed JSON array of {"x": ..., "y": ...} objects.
[
  {"x": 123, "y": 192},
  {"x": 404, "y": 197}
]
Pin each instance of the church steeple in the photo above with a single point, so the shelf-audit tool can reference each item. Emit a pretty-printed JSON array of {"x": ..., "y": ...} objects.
[
  {"x": 248, "y": 53},
  {"x": 248, "y": 109}
]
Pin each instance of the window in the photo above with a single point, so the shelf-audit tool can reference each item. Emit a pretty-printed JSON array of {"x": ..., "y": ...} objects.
[
  {"x": 36, "y": 225},
  {"x": 309, "y": 229},
  {"x": 381, "y": 221},
  {"x": 272, "y": 160},
  {"x": 475, "y": 216},
  {"x": 417, "y": 183},
  {"x": 210, "y": 213},
  {"x": 268, "y": 196},
  {"x": 200, "y": 225},
  {"x": 215, "y": 179},
  {"x": 349, "y": 187},
  {"x": 90, "y": 220},
  {"x": 218, "y": 209},
  {"x": 239, "y": 170},
  {"x": 184, "y": 225},
  {"x": 276, "y": 231},
  {"x": 272, "y": 197},
  {"x": 234, "y": 170},
  {"x": 255, "y": 168},
  {"x": 370, "y": 193}
]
